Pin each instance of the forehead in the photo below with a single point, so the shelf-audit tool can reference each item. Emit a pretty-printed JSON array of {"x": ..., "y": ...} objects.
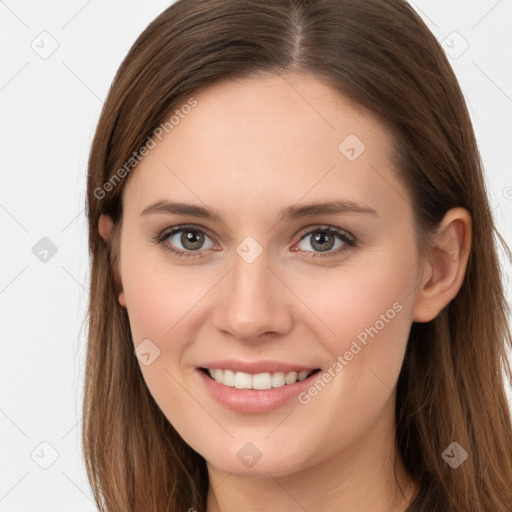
[{"x": 277, "y": 138}]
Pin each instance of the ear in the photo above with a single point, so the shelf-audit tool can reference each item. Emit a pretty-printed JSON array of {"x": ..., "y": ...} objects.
[
  {"x": 105, "y": 225},
  {"x": 444, "y": 267}
]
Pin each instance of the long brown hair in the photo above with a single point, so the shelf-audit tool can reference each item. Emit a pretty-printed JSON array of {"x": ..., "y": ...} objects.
[{"x": 380, "y": 54}]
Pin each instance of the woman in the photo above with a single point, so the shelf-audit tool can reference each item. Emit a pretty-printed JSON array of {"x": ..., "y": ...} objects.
[{"x": 296, "y": 300}]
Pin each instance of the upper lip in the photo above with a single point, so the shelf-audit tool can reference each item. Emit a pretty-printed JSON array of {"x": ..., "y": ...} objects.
[{"x": 255, "y": 367}]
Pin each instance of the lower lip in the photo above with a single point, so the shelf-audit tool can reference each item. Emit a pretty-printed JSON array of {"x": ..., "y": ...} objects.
[{"x": 252, "y": 401}]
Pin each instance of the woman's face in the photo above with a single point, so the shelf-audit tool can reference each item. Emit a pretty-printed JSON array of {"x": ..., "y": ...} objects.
[{"x": 266, "y": 284}]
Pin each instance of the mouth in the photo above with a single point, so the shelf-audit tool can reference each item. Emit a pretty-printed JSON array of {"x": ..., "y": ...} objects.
[{"x": 259, "y": 381}]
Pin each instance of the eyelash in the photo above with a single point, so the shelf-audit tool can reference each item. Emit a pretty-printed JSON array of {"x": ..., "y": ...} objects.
[{"x": 349, "y": 240}]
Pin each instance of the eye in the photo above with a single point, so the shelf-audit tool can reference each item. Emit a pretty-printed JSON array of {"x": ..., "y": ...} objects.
[
  {"x": 328, "y": 240},
  {"x": 191, "y": 242},
  {"x": 185, "y": 241}
]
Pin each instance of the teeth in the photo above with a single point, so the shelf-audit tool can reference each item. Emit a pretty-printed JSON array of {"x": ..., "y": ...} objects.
[
  {"x": 228, "y": 377},
  {"x": 302, "y": 375},
  {"x": 278, "y": 379},
  {"x": 260, "y": 381},
  {"x": 242, "y": 380},
  {"x": 290, "y": 378}
]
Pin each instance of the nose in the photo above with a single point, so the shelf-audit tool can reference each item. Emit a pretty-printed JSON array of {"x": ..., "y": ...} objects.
[{"x": 252, "y": 302}]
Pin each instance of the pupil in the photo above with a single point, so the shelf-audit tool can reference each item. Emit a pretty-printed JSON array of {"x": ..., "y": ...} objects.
[
  {"x": 192, "y": 239},
  {"x": 323, "y": 241}
]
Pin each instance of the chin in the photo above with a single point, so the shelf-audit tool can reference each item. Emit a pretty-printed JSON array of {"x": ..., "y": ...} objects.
[{"x": 260, "y": 459}]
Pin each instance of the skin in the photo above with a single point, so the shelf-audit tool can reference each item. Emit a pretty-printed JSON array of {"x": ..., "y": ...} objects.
[{"x": 248, "y": 149}]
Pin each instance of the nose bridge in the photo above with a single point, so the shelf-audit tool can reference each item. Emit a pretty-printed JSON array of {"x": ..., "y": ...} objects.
[
  {"x": 251, "y": 303},
  {"x": 250, "y": 279}
]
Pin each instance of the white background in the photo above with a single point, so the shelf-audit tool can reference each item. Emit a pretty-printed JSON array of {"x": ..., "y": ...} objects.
[{"x": 48, "y": 110}]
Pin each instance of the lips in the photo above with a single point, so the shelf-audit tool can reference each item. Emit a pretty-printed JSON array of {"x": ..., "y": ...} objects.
[{"x": 258, "y": 398}]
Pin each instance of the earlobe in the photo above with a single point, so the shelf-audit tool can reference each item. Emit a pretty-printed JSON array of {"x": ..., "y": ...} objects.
[
  {"x": 105, "y": 225},
  {"x": 121, "y": 298},
  {"x": 445, "y": 266}
]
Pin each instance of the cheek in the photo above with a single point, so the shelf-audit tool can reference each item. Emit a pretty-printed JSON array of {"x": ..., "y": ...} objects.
[
  {"x": 374, "y": 304},
  {"x": 162, "y": 304},
  {"x": 369, "y": 310},
  {"x": 159, "y": 296}
]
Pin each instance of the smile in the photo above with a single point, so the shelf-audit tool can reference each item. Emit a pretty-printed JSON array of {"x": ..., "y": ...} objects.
[{"x": 259, "y": 381}]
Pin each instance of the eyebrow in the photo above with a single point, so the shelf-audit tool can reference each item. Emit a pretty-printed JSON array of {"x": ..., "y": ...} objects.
[{"x": 290, "y": 213}]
